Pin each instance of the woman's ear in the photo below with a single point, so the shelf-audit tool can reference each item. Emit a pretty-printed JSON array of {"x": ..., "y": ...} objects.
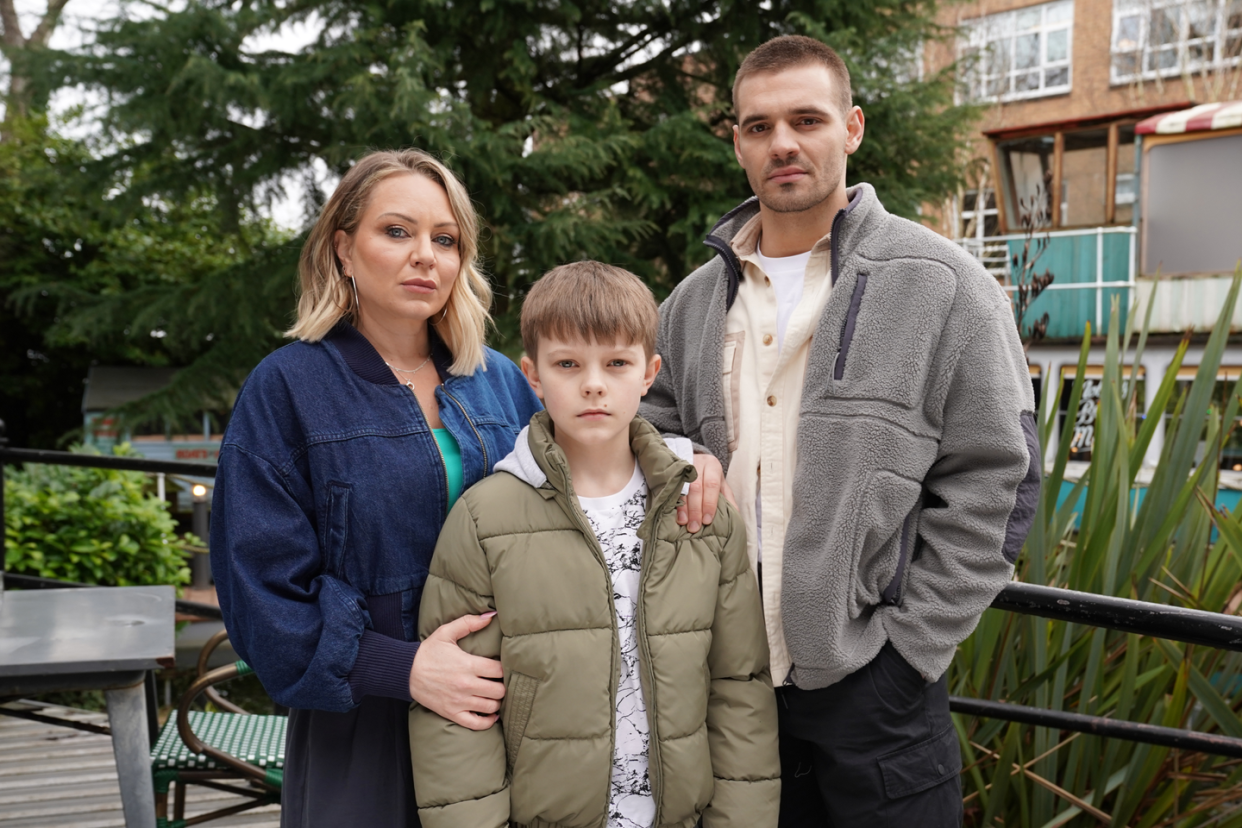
[{"x": 343, "y": 244}]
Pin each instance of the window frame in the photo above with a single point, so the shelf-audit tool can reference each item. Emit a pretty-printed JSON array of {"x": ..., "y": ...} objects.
[
  {"x": 982, "y": 32},
  {"x": 1183, "y": 64}
]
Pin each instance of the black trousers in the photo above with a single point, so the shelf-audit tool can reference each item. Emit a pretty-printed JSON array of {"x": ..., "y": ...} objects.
[{"x": 875, "y": 750}]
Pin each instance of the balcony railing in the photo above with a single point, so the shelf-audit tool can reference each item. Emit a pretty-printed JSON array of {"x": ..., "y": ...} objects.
[{"x": 1090, "y": 267}]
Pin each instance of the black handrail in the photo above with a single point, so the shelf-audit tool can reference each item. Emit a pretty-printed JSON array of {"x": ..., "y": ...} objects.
[
  {"x": 100, "y": 461},
  {"x": 1189, "y": 626}
]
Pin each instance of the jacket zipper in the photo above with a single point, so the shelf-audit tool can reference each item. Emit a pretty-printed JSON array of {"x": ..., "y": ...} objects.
[
  {"x": 584, "y": 526},
  {"x": 851, "y": 320},
  {"x": 892, "y": 593},
  {"x": 655, "y": 762},
  {"x": 470, "y": 422}
]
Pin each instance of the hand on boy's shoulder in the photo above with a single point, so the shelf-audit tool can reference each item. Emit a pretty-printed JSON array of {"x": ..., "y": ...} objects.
[{"x": 698, "y": 508}]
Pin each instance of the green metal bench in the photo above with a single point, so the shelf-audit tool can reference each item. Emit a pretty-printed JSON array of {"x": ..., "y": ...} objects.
[{"x": 214, "y": 749}]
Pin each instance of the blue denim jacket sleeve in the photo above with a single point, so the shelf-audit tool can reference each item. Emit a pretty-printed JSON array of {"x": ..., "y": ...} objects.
[{"x": 296, "y": 624}]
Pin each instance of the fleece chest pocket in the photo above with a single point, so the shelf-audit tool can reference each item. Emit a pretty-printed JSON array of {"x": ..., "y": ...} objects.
[
  {"x": 336, "y": 528},
  {"x": 731, "y": 383}
]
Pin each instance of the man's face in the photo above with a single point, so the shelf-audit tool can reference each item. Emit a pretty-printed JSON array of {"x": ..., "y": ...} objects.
[{"x": 792, "y": 138}]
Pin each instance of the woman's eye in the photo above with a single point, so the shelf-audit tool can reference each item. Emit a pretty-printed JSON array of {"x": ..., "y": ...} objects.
[
  {"x": 395, "y": 232},
  {"x": 446, "y": 241}
]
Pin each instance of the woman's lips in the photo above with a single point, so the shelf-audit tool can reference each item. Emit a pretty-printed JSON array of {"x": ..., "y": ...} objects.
[{"x": 419, "y": 285}]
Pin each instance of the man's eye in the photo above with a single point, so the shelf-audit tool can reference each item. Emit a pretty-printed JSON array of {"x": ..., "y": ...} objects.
[
  {"x": 758, "y": 128},
  {"x": 809, "y": 121}
]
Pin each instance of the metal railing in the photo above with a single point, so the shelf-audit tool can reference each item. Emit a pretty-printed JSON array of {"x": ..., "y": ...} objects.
[
  {"x": 1121, "y": 614},
  {"x": 993, "y": 253}
]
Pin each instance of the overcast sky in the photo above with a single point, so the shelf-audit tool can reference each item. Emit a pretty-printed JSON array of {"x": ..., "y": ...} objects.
[{"x": 80, "y": 18}]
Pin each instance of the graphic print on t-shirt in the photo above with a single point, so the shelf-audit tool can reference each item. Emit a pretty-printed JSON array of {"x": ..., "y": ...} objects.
[{"x": 615, "y": 520}]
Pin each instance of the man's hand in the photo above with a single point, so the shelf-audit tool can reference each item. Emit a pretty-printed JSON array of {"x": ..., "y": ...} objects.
[
  {"x": 699, "y": 506},
  {"x": 447, "y": 680}
]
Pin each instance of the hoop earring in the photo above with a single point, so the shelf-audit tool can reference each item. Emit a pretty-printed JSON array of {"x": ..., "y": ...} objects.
[{"x": 354, "y": 284}]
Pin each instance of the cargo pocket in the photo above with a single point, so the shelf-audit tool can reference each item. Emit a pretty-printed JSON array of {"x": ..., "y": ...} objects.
[
  {"x": 921, "y": 767},
  {"x": 521, "y": 696},
  {"x": 731, "y": 383}
]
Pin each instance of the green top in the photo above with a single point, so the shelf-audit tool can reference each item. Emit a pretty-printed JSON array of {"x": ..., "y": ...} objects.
[{"x": 451, "y": 452}]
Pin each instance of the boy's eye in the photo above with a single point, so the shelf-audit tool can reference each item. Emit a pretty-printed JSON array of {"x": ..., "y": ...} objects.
[
  {"x": 619, "y": 363},
  {"x": 565, "y": 363}
]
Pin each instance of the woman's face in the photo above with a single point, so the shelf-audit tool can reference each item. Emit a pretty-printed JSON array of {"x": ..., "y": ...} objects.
[{"x": 405, "y": 254}]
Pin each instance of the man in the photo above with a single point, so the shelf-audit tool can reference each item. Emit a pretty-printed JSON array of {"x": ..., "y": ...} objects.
[{"x": 862, "y": 383}]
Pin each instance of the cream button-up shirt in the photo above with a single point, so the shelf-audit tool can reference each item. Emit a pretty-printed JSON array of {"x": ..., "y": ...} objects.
[{"x": 763, "y": 393}]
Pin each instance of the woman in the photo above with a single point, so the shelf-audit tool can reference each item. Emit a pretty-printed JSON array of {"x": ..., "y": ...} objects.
[{"x": 343, "y": 456}]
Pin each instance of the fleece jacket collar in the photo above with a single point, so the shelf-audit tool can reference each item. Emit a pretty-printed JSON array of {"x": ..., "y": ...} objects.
[
  {"x": 537, "y": 460},
  {"x": 733, "y": 221}
]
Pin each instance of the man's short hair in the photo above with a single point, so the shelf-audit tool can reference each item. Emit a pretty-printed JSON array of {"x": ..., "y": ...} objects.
[
  {"x": 593, "y": 301},
  {"x": 789, "y": 52}
]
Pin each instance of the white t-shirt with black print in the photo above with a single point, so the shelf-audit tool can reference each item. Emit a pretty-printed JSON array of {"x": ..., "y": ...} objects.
[{"x": 616, "y": 519}]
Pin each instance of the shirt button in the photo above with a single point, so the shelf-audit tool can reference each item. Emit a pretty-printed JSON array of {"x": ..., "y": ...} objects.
[
  {"x": 767, "y": 339},
  {"x": 771, "y": 400},
  {"x": 940, "y": 768}
]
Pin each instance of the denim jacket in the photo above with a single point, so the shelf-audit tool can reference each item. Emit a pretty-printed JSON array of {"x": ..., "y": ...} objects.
[{"x": 330, "y": 495}]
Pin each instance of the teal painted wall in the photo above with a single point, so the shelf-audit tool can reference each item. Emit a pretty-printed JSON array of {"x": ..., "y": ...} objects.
[{"x": 1072, "y": 260}]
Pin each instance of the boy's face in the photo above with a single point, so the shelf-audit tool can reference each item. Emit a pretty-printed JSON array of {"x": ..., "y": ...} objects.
[{"x": 591, "y": 389}]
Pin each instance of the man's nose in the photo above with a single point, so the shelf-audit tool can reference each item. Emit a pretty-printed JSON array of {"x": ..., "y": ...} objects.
[{"x": 784, "y": 141}]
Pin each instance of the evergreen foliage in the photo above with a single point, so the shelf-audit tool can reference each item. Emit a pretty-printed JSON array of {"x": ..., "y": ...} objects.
[{"x": 586, "y": 129}]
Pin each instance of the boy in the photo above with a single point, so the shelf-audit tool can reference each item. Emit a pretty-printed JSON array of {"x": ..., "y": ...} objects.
[{"x": 636, "y": 678}]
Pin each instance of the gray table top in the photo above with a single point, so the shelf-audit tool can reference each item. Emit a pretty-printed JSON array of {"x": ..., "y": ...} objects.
[{"x": 48, "y": 632}]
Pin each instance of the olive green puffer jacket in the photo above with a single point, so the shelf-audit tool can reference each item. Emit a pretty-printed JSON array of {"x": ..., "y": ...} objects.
[{"x": 529, "y": 553}]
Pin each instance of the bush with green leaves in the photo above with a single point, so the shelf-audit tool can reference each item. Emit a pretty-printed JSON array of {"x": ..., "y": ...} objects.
[{"x": 95, "y": 526}]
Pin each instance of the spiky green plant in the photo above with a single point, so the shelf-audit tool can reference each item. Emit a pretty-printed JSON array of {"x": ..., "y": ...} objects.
[{"x": 1170, "y": 546}]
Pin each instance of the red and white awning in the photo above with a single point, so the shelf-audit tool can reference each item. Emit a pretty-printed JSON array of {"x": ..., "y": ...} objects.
[{"x": 1195, "y": 119}]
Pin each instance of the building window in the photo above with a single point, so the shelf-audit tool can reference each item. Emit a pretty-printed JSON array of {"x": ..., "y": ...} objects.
[
  {"x": 1169, "y": 38},
  {"x": 1019, "y": 54},
  {"x": 979, "y": 216}
]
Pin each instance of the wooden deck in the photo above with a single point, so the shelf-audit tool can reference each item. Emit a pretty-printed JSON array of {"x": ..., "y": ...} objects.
[{"x": 56, "y": 777}]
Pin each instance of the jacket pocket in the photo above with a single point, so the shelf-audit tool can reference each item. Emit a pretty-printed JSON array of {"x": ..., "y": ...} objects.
[
  {"x": 905, "y": 553},
  {"x": 851, "y": 321},
  {"x": 731, "y": 384},
  {"x": 336, "y": 533},
  {"x": 521, "y": 698},
  {"x": 921, "y": 767}
]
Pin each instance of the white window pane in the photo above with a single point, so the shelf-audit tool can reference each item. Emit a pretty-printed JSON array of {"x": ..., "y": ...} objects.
[
  {"x": 1163, "y": 28},
  {"x": 1126, "y": 65},
  {"x": 1056, "y": 77},
  {"x": 1126, "y": 37},
  {"x": 1057, "y": 45},
  {"x": 1028, "y": 19},
  {"x": 1059, "y": 13},
  {"x": 1026, "y": 51}
]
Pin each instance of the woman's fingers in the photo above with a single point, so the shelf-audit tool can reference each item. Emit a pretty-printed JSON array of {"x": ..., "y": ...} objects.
[{"x": 453, "y": 683}]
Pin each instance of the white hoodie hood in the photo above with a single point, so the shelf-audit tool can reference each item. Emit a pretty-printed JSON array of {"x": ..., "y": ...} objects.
[{"x": 521, "y": 461}]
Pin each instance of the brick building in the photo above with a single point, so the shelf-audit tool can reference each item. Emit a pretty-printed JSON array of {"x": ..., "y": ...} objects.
[{"x": 1110, "y": 146}]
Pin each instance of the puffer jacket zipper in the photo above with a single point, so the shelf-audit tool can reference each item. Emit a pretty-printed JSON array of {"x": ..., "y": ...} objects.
[
  {"x": 655, "y": 760},
  {"x": 584, "y": 526}
]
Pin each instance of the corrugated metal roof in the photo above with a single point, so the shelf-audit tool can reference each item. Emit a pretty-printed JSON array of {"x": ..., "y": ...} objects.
[
  {"x": 1196, "y": 119},
  {"x": 55, "y": 777}
]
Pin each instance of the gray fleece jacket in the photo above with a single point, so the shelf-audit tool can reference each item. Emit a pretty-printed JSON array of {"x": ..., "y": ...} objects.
[{"x": 918, "y": 467}]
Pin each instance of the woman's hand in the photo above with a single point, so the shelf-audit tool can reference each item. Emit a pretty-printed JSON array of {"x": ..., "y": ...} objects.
[
  {"x": 447, "y": 680},
  {"x": 699, "y": 507}
]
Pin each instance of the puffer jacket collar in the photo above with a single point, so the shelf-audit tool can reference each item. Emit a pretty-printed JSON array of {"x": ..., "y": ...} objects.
[{"x": 537, "y": 459}]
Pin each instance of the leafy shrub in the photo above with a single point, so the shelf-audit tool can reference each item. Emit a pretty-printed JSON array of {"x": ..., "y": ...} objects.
[{"x": 95, "y": 526}]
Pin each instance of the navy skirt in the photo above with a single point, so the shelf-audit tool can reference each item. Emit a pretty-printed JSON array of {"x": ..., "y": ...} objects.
[{"x": 349, "y": 768}]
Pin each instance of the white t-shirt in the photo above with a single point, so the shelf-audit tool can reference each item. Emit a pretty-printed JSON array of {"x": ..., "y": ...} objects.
[
  {"x": 615, "y": 519},
  {"x": 787, "y": 274}
]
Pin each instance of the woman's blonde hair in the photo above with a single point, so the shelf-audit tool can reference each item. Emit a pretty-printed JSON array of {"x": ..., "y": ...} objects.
[{"x": 326, "y": 295}]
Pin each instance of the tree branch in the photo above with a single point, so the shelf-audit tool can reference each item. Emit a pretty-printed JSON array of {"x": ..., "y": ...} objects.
[
  {"x": 43, "y": 32},
  {"x": 12, "y": 34}
]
